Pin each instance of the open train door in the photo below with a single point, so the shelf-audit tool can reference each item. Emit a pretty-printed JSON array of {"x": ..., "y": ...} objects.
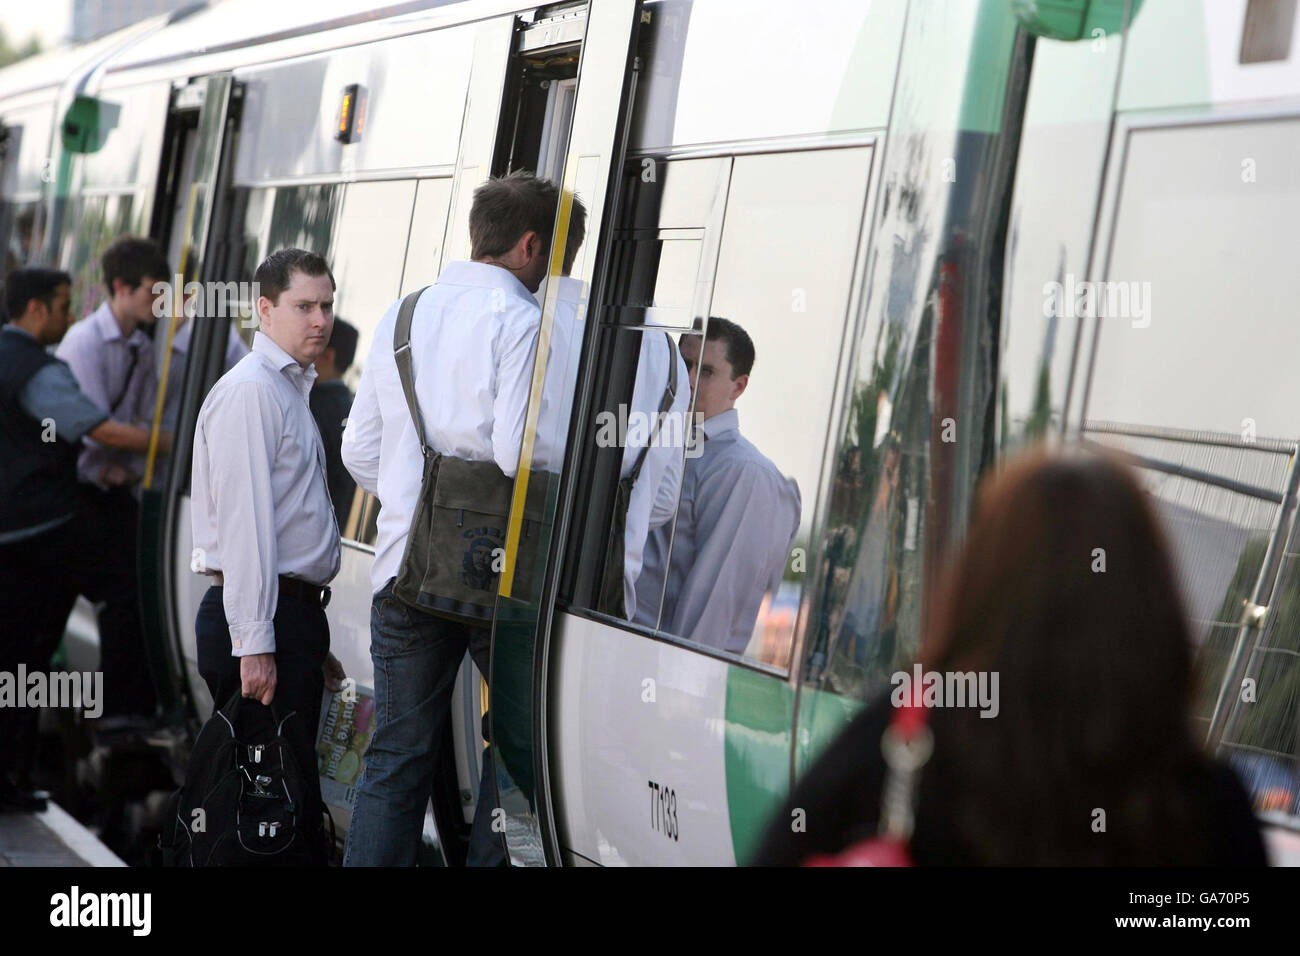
[
  {"x": 197, "y": 142},
  {"x": 595, "y": 107}
]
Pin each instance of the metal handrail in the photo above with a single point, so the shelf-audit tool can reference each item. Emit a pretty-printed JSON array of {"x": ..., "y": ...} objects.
[{"x": 1187, "y": 436}]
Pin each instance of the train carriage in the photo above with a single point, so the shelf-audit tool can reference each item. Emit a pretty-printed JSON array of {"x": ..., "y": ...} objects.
[{"x": 912, "y": 207}]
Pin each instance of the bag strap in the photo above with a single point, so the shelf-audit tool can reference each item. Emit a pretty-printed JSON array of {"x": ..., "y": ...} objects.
[
  {"x": 665, "y": 405},
  {"x": 402, "y": 356},
  {"x": 231, "y": 710}
]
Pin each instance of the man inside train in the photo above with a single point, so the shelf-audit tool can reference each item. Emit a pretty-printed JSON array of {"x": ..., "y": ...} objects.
[
  {"x": 737, "y": 516},
  {"x": 330, "y": 401}
]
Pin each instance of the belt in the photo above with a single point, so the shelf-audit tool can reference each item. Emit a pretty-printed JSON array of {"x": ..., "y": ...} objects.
[{"x": 317, "y": 595}]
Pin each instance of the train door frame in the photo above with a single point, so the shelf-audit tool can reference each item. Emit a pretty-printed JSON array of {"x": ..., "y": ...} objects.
[
  {"x": 592, "y": 168},
  {"x": 521, "y": 102},
  {"x": 213, "y": 136}
]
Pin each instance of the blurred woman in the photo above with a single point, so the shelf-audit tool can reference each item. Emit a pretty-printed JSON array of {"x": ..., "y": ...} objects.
[{"x": 1065, "y": 588}]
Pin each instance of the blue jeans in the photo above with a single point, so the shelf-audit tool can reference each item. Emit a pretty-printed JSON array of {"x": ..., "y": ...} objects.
[{"x": 416, "y": 657}]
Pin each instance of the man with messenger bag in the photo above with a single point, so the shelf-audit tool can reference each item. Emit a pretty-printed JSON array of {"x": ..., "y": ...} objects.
[{"x": 435, "y": 433}]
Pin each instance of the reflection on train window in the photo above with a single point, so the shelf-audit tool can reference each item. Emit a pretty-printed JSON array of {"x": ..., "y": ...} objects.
[
  {"x": 95, "y": 222},
  {"x": 17, "y": 229},
  {"x": 1195, "y": 379},
  {"x": 367, "y": 255},
  {"x": 727, "y": 570}
]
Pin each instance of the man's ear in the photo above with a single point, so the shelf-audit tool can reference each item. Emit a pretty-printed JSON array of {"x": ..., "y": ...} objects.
[
  {"x": 738, "y": 385},
  {"x": 532, "y": 245},
  {"x": 264, "y": 306}
]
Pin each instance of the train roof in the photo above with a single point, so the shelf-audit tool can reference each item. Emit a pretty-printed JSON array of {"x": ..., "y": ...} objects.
[
  {"x": 223, "y": 32},
  {"x": 49, "y": 70}
]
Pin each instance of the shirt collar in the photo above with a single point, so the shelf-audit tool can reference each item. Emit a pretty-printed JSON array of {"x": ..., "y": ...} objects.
[
  {"x": 484, "y": 276},
  {"x": 108, "y": 329},
  {"x": 722, "y": 422},
  {"x": 10, "y": 327},
  {"x": 302, "y": 378}
]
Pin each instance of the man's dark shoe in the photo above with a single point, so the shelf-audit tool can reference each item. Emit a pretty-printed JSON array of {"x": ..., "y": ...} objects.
[{"x": 13, "y": 800}]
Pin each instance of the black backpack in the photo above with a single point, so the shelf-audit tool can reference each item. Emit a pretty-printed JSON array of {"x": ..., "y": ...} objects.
[{"x": 244, "y": 797}]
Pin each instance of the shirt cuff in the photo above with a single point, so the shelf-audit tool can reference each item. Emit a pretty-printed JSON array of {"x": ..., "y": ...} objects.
[{"x": 255, "y": 638}]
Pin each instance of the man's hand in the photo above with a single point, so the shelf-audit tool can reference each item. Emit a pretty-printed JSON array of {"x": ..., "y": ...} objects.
[
  {"x": 334, "y": 675},
  {"x": 112, "y": 475},
  {"x": 257, "y": 675}
]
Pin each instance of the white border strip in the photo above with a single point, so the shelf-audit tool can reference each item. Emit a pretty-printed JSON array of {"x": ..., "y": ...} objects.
[{"x": 77, "y": 838}]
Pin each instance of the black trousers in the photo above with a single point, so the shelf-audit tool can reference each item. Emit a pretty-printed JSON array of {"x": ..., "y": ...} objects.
[
  {"x": 302, "y": 642},
  {"x": 40, "y": 578},
  {"x": 114, "y": 517}
]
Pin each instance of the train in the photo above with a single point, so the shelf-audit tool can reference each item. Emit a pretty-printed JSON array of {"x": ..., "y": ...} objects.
[{"x": 952, "y": 228}]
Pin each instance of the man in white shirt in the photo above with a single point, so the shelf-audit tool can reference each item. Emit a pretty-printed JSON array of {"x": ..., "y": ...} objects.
[
  {"x": 473, "y": 344},
  {"x": 262, "y": 517}
]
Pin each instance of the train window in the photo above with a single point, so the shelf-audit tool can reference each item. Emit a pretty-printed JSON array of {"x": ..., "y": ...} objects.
[
  {"x": 95, "y": 221},
  {"x": 1200, "y": 337},
  {"x": 23, "y": 164},
  {"x": 754, "y": 309},
  {"x": 428, "y": 224},
  {"x": 705, "y": 88},
  {"x": 368, "y": 252},
  {"x": 18, "y": 231},
  {"x": 733, "y": 561},
  {"x": 1194, "y": 379},
  {"x": 133, "y": 139}
]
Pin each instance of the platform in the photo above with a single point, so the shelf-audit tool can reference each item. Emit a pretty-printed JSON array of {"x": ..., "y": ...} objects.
[{"x": 51, "y": 838}]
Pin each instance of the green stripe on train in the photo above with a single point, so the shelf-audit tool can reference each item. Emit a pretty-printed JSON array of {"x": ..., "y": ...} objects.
[{"x": 759, "y": 716}]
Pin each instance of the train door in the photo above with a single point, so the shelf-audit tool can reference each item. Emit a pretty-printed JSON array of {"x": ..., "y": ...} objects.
[
  {"x": 567, "y": 117},
  {"x": 199, "y": 134},
  {"x": 660, "y": 731}
]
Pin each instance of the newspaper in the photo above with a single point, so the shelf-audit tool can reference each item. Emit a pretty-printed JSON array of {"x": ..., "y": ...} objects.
[{"x": 346, "y": 722}]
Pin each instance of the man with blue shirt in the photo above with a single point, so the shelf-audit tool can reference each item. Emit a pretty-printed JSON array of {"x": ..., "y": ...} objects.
[
  {"x": 262, "y": 519},
  {"x": 49, "y": 551},
  {"x": 737, "y": 516},
  {"x": 111, "y": 353}
]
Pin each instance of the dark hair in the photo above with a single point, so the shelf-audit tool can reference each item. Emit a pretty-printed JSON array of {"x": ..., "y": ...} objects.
[
  {"x": 577, "y": 233},
  {"x": 275, "y": 273},
  {"x": 132, "y": 260},
  {"x": 506, "y": 207},
  {"x": 32, "y": 282},
  {"x": 740, "y": 347},
  {"x": 1095, "y": 674},
  {"x": 343, "y": 340}
]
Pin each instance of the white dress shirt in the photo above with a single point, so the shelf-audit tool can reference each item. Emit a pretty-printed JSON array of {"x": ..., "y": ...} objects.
[
  {"x": 123, "y": 385},
  {"x": 473, "y": 343},
  {"x": 261, "y": 506},
  {"x": 654, "y": 496}
]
